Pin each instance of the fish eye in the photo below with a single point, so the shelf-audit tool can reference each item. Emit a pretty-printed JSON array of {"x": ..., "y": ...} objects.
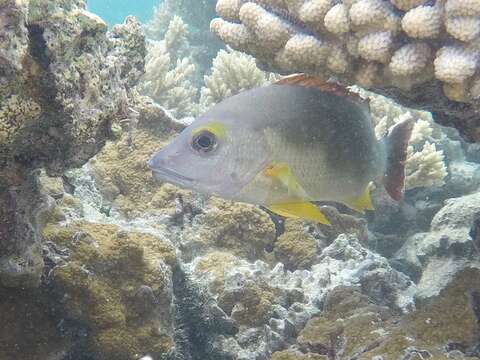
[{"x": 205, "y": 141}]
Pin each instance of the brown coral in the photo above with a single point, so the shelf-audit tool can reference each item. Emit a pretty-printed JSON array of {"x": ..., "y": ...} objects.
[{"x": 118, "y": 283}]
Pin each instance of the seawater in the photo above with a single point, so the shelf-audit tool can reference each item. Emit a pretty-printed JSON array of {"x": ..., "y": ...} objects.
[{"x": 115, "y": 11}]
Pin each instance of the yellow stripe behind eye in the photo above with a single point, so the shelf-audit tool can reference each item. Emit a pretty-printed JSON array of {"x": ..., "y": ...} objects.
[{"x": 215, "y": 127}]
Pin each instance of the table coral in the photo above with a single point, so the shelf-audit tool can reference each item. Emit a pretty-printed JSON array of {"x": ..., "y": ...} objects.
[{"x": 410, "y": 50}]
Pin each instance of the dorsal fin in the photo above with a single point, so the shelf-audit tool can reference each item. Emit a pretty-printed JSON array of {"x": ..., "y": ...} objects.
[{"x": 332, "y": 88}]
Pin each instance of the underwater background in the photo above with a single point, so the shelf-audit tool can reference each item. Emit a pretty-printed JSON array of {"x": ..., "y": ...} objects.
[
  {"x": 100, "y": 261},
  {"x": 115, "y": 11}
]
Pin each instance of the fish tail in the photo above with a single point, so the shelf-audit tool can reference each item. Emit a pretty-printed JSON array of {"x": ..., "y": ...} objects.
[{"x": 396, "y": 146}]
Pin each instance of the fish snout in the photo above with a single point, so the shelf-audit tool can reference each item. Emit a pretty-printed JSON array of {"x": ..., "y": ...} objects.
[
  {"x": 155, "y": 162},
  {"x": 159, "y": 164}
]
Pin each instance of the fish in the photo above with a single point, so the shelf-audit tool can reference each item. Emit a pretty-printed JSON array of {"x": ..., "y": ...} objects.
[{"x": 285, "y": 146}]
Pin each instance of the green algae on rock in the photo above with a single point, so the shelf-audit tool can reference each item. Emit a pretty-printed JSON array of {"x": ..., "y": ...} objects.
[
  {"x": 119, "y": 285},
  {"x": 295, "y": 248},
  {"x": 213, "y": 267},
  {"x": 250, "y": 305},
  {"x": 120, "y": 169},
  {"x": 294, "y": 355},
  {"x": 352, "y": 327},
  {"x": 241, "y": 229}
]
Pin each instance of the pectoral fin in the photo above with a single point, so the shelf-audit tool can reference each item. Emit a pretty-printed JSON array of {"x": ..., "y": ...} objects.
[
  {"x": 362, "y": 202},
  {"x": 302, "y": 210},
  {"x": 282, "y": 173}
]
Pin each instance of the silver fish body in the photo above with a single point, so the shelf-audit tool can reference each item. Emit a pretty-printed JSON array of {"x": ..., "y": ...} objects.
[{"x": 282, "y": 143}]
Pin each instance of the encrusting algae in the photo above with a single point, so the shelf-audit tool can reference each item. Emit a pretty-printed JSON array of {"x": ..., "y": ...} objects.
[
  {"x": 352, "y": 327},
  {"x": 295, "y": 248},
  {"x": 118, "y": 284},
  {"x": 120, "y": 169}
]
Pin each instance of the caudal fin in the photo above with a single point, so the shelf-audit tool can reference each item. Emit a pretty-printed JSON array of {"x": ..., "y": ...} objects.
[{"x": 396, "y": 146}]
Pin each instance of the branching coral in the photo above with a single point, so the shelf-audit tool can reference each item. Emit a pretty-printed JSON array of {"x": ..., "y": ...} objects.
[
  {"x": 425, "y": 167},
  {"x": 156, "y": 28},
  {"x": 425, "y": 164},
  {"x": 232, "y": 72},
  {"x": 196, "y": 13},
  {"x": 400, "y": 44},
  {"x": 176, "y": 38},
  {"x": 367, "y": 32},
  {"x": 167, "y": 77}
]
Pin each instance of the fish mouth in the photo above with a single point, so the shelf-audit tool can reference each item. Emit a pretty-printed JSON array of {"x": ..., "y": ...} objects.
[{"x": 172, "y": 176}]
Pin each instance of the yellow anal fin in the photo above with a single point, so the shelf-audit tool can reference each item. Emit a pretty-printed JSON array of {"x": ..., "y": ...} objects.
[
  {"x": 362, "y": 202},
  {"x": 300, "y": 210}
]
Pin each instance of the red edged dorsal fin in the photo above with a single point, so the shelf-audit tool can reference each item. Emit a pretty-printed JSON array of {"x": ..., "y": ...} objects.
[{"x": 332, "y": 88}]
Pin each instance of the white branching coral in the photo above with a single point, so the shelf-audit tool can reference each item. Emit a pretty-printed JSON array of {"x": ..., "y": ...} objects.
[
  {"x": 176, "y": 36},
  {"x": 410, "y": 59},
  {"x": 455, "y": 65},
  {"x": 162, "y": 16},
  {"x": 425, "y": 165},
  {"x": 336, "y": 19},
  {"x": 167, "y": 78},
  {"x": 232, "y": 73},
  {"x": 401, "y": 43},
  {"x": 168, "y": 84},
  {"x": 376, "y": 46}
]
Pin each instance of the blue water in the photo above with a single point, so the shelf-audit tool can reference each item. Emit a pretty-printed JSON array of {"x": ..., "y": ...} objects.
[{"x": 115, "y": 11}]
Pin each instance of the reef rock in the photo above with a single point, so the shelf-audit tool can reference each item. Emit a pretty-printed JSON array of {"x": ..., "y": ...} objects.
[
  {"x": 271, "y": 305},
  {"x": 64, "y": 79},
  {"x": 114, "y": 285},
  {"x": 353, "y": 326},
  {"x": 446, "y": 248}
]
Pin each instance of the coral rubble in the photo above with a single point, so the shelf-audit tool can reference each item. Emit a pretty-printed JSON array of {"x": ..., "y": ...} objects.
[{"x": 424, "y": 55}]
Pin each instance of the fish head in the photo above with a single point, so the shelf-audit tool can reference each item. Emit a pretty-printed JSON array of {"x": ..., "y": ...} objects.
[{"x": 214, "y": 155}]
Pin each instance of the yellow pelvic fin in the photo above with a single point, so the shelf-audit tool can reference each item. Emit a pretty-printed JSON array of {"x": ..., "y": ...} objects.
[
  {"x": 282, "y": 172},
  {"x": 300, "y": 210},
  {"x": 215, "y": 127},
  {"x": 362, "y": 202}
]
